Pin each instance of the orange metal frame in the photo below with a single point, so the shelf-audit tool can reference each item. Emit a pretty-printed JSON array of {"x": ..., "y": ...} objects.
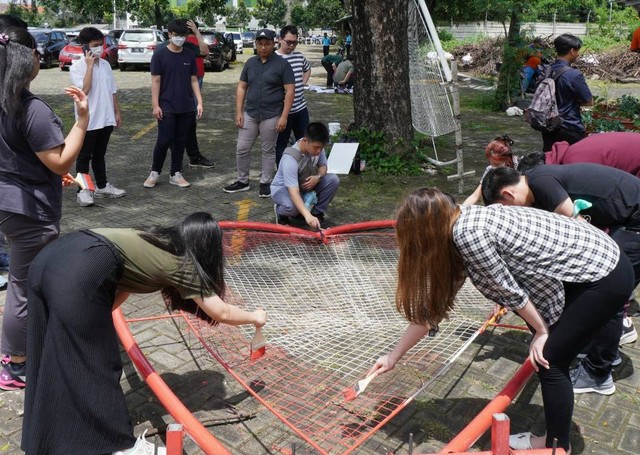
[{"x": 210, "y": 445}]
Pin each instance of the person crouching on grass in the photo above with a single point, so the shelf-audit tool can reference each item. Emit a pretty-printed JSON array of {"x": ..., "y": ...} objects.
[
  {"x": 564, "y": 277},
  {"x": 74, "y": 363},
  {"x": 302, "y": 170}
]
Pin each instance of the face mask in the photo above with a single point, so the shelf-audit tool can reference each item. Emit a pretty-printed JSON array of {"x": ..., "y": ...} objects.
[
  {"x": 178, "y": 40},
  {"x": 97, "y": 51}
]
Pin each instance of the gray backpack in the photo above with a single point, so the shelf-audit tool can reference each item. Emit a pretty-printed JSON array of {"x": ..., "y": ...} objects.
[
  {"x": 543, "y": 113},
  {"x": 306, "y": 166}
]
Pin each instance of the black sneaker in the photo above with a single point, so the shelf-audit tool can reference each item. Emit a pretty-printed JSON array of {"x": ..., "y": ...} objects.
[
  {"x": 201, "y": 161},
  {"x": 265, "y": 190},
  {"x": 319, "y": 215},
  {"x": 236, "y": 187},
  {"x": 629, "y": 333},
  {"x": 281, "y": 219}
]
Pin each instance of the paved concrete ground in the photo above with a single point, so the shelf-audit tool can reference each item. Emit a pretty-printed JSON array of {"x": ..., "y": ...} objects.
[{"x": 603, "y": 425}]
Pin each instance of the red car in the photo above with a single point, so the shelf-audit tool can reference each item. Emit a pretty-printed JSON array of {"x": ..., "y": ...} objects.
[{"x": 73, "y": 51}]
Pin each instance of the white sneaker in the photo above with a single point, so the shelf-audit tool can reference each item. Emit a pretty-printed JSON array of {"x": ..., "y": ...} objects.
[
  {"x": 142, "y": 447},
  {"x": 178, "y": 180},
  {"x": 85, "y": 198},
  {"x": 109, "y": 191},
  {"x": 151, "y": 180}
]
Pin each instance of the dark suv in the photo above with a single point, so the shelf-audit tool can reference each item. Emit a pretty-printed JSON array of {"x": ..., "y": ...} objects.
[
  {"x": 50, "y": 43},
  {"x": 221, "y": 50}
]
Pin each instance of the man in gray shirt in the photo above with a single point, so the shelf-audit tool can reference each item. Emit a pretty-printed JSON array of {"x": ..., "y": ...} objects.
[{"x": 267, "y": 84}]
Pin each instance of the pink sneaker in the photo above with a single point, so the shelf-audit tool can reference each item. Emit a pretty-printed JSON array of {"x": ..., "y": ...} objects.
[
  {"x": 13, "y": 377},
  {"x": 178, "y": 180}
]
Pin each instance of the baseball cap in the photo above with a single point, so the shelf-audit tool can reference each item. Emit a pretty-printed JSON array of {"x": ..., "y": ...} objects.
[{"x": 265, "y": 33}]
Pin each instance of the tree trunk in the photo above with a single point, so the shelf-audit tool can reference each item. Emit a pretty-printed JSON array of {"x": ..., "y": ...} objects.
[
  {"x": 158, "y": 14},
  {"x": 380, "y": 45},
  {"x": 509, "y": 78}
]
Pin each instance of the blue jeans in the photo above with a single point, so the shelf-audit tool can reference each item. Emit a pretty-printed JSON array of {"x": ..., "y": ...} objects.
[
  {"x": 172, "y": 132},
  {"x": 296, "y": 122}
]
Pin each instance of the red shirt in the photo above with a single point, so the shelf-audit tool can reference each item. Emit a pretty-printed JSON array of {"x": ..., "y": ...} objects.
[{"x": 199, "y": 60}]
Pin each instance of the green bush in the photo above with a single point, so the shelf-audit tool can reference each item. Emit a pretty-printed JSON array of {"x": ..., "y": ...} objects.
[
  {"x": 445, "y": 35},
  {"x": 381, "y": 156}
]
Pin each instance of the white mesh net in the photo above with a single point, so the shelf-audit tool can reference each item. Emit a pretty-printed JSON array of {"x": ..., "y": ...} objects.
[
  {"x": 331, "y": 314},
  {"x": 430, "y": 104}
]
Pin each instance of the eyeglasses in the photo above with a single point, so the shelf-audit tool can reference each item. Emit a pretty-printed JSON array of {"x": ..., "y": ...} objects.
[{"x": 290, "y": 43}]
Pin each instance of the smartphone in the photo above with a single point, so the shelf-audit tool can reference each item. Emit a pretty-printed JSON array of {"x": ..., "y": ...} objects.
[{"x": 85, "y": 48}]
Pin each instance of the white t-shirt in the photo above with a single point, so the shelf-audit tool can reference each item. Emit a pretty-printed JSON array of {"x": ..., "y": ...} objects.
[{"x": 103, "y": 87}]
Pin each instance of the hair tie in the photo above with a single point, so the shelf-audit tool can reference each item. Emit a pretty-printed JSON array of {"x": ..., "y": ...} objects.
[{"x": 4, "y": 38}]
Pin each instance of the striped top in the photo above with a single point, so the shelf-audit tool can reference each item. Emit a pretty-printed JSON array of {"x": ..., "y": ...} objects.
[{"x": 300, "y": 65}]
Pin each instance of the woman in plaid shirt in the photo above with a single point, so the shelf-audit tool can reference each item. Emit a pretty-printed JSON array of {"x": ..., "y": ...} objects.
[{"x": 564, "y": 277}]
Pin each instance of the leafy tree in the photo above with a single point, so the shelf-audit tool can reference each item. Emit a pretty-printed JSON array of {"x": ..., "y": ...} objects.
[
  {"x": 300, "y": 17},
  {"x": 206, "y": 10},
  {"x": 270, "y": 12},
  {"x": 324, "y": 13},
  {"x": 238, "y": 17},
  {"x": 29, "y": 15}
]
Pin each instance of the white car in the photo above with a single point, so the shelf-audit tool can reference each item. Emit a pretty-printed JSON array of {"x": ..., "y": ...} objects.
[
  {"x": 136, "y": 46},
  {"x": 237, "y": 41}
]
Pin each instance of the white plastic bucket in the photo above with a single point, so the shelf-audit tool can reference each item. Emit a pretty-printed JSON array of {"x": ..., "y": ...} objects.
[{"x": 334, "y": 127}]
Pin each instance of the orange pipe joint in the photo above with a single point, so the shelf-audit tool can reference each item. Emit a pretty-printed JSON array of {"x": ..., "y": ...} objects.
[
  {"x": 174, "y": 439},
  {"x": 482, "y": 422}
]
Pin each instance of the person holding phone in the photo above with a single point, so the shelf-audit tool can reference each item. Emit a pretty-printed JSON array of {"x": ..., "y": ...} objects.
[{"x": 94, "y": 75}]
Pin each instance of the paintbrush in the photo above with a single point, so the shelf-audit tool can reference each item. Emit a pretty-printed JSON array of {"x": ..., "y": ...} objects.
[
  {"x": 258, "y": 345},
  {"x": 84, "y": 181},
  {"x": 351, "y": 393}
]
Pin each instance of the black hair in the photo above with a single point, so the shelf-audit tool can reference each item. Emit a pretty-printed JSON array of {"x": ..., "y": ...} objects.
[
  {"x": 289, "y": 29},
  {"x": 317, "y": 132},
  {"x": 7, "y": 20},
  {"x": 495, "y": 180},
  {"x": 530, "y": 161},
  {"x": 179, "y": 27},
  {"x": 565, "y": 42},
  {"x": 197, "y": 239},
  {"x": 16, "y": 66},
  {"x": 89, "y": 34}
]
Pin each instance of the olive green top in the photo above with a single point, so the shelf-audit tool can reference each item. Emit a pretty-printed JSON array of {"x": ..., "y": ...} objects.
[{"x": 148, "y": 268}]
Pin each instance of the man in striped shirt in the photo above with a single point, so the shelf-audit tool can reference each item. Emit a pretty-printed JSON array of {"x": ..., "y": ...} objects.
[{"x": 298, "y": 119}]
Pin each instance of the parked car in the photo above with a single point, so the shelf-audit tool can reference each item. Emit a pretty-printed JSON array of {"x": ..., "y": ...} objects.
[
  {"x": 74, "y": 51},
  {"x": 237, "y": 39},
  {"x": 70, "y": 33},
  {"x": 136, "y": 46},
  {"x": 221, "y": 50},
  {"x": 248, "y": 38},
  {"x": 50, "y": 43},
  {"x": 115, "y": 33}
]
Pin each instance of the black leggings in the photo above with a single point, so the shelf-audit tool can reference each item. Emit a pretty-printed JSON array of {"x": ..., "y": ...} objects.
[
  {"x": 94, "y": 148},
  {"x": 588, "y": 307}
]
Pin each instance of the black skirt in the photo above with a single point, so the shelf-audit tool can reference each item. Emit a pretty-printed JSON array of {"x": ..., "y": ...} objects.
[{"x": 74, "y": 403}]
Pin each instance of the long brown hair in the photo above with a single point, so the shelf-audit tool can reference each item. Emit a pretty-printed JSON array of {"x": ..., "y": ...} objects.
[{"x": 430, "y": 270}]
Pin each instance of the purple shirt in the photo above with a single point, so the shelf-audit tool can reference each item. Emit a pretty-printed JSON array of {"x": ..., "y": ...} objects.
[
  {"x": 27, "y": 186},
  {"x": 619, "y": 150}
]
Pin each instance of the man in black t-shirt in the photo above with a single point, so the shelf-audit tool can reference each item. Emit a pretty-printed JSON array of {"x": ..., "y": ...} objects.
[
  {"x": 174, "y": 90},
  {"x": 615, "y": 199}
]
